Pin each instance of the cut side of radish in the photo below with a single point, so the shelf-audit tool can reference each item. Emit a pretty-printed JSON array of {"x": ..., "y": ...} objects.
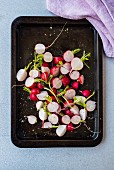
[
  {"x": 48, "y": 57},
  {"x": 76, "y": 64},
  {"x": 47, "y": 125},
  {"x": 74, "y": 75},
  {"x": 32, "y": 119},
  {"x": 90, "y": 105},
  {"x": 75, "y": 110},
  {"x": 53, "y": 107},
  {"x": 34, "y": 73},
  {"x": 54, "y": 71},
  {"x": 42, "y": 114},
  {"x": 65, "y": 119},
  {"x": 65, "y": 68},
  {"x": 45, "y": 69},
  {"x": 53, "y": 118},
  {"x": 61, "y": 130},
  {"x": 82, "y": 99},
  {"x": 21, "y": 75},
  {"x": 29, "y": 82},
  {"x": 68, "y": 56},
  {"x": 83, "y": 114},
  {"x": 76, "y": 119},
  {"x": 70, "y": 94},
  {"x": 42, "y": 95},
  {"x": 39, "y": 48},
  {"x": 39, "y": 105},
  {"x": 57, "y": 83}
]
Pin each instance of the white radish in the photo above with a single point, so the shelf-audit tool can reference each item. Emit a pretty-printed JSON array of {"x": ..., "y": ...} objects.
[
  {"x": 42, "y": 95},
  {"x": 53, "y": 107},
  {"x": 70, "y": 94},
  {"x": 75, "y": 119},
  {"x": 75, "y": 110},
  {"x": 76, "y": 64},
  {"x": 47, "y": 125},
  {"x": 83, "y": 114},
  {"x": 32, "y": 119},
  {"x": 34, "y": 73},
  {"x": 39, "y": 48},
  {"x": 21, "y": 75},
  {"x": 42, "y": 114},
  {"x": 82, "y": 99},
  {"x": 53, "y": 118},
  {"x": 68, "y": 56},
  {"x": 48, "y": 57},
  {"x": 90, "y": 105},
  {"x": 65, "y": 68},
  {"x": 45, "y": 69},
  {"x": 61, "y": 130},
  {"x": 39, "y": 105},
  {"x": 65, "y": 119},
  {"x": 74, "y": 75},
  {"x": 29, "y": 82},
  {"x": 57, "y": 83}
]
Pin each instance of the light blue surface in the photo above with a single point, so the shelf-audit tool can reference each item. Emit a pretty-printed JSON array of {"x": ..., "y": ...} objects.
[{"x": 13, "y": 158}]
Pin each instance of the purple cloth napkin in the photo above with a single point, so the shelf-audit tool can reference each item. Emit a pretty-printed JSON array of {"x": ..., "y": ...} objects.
[{"x": 100, "y": 13}]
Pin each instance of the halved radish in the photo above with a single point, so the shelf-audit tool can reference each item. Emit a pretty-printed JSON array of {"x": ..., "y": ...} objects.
[
  {"x": 83, "y": 114},
  {"x": 90, "y": 105},
  {"x": 68, "y": 56},
  {"x": 29, "y": 82},
  {"x": 45, "y": 64},
  {"x": 39, "y": 105},
  {"x": 65, "y": 119},
  {"x": 75, "y": 110},
  {"x": 56, "y": 83},
  {"x": 54, "y": 71},
  {"x": 70, "y": 94},
  {"x": 82, "y": 98},
  {"x": 47, "y": 125},
  {"x": 45, "y": 69},
  {"x": 44, "y": 76},
  {"x": 68, "y": 112},
  {"x": 39, "y": 48},
  {"x": 69, "y": 103},
  {"x": 81, "y": 79},
  {"x": 65, "y": 68},
  {"x": 34, "y": 73},
  {"x": 42, "y": 95},
  {"x": 75, "y": 119},
  {"x": 86, "y": 93},
  {"x": 70, "y": 127},
  {"x": 76, "y": 64},
  {"x": 32, "y": 119},
  {"x": 65, "y": 80},
  {"x": 75, "y": 85},
  {"x": 74, "y": 75},
  {"x": 57, "y": 60},
  {"x": 42, "y": 114},
  {"x": 53, "y": 107},
  {"x": 61, "y": 130},
  {"x": 21, "y": 75},
  {"x": 48, "y": 57},
  {"x": 40, "y": 86},
  {"x": 53, "y": 118},
  {"x": 33, "y": 97}
]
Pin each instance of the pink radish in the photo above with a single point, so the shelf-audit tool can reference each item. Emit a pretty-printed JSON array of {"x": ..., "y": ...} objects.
[
  {"x": 68, "y": 56},
  {"x": 29, "y": 82},
  {"x": 70, "y": 127},
  {"x": 69, "y": 113},
  {"x": 57, "y": 60},
  {"x": 39, "y": 48},
  {"x": 44, "y": 76},
  {"x": 32, "y": 119},
  {"x": 39, "y": 105},
  {"x": 75, "y": 85},
  {"x": 76, "y": 64},
  {"x": 75, "y": 110},
  {"x": 56, "y": 83},
  {"x": 53, "y": 118},
  {"x": 90, "y": 105},
  {"x": 70, "y": 103},
  {"x": 65, "y": 80},
  {"x": 74, "y": 75},
  {"x": 21, "y": 75},
  {"x": 40, "y": 86},
  {"x": 34, "y": 73},
  {"x": 47, "y": 125},
  {"x": 86, "y": 93},
  {"x": 83, "y": 114},
  {"x": 75, "y": 119},
  {"x": 54, "y": 71},
  {"x": 45, "y": 64},
  {"x": 70, "y": 94},
  {"x": 81, "y": 79},
  {"x": 42, "y": 114},
  {"x": 53, "y": 107},
  {"x": 61, "y": 130},
  {"x": 45, "y": 69},
  {"x": 65, "y": 119},
  {"x": 65, "y": 68},
  {"x": 48, "y": 57},
  {"x": 42, "y": 95},
  {"x": 33, "y": 97},
  {"x": 35, "y": 91}
]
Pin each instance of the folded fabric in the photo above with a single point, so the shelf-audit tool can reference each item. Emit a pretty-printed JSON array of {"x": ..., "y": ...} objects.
[{"x": 100, "y": 13}]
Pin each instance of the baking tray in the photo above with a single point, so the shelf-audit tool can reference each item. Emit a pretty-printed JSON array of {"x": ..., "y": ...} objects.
[{"x": 28, "y": 31}]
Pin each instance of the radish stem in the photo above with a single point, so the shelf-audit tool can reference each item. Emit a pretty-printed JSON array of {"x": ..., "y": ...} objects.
[
  {"x": 67, "y": 101},
  {"x": 26, "y": 89},
  {"x": 52, "y": 93},
  {"x": 90, "y": 96},
  {"x": 27, "y": 67},
  {"x": 76, "y": 50}
]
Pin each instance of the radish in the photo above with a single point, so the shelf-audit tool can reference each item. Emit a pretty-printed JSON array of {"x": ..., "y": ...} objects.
[
  {"x": 45, "y": 64},
  {"x": 47, "y": 125},
  {"x": 53, "y": 107},
  {"x": 69, "y": 113},
  {"x": 65, "y": 80},
  {"x": 65, "y": 68},
  {"x": 86, "y": 93},
  {"x": 42, "y": 95},
  {"x": 74, "y": 75},
  {"x": 53, "y": 118},
  {"x": 32, "y": 119},
  {"x": 42, "y": 114},
  {"x": 59, "y": 109},
  {"x": 53, "y": 99},
  {"x": 76, "y": 64},
  {"x": 33, "y": 97},
  {"x": 39, "y": 105},
  {"x": 56, "y": 83},
  {"x": 29, "y": 82},
  {"x": 81, "y": 79},
  {"x": 75, "y": 85},
  {"x": 61, "y": 130},
  {"x": 40, "y": 86},
  {"x": 70, "y": 127},
  {"x": 90, "y": 105},
  {"x": 68, "y": 56},
  {"x": 35, "y": 91},
  {"x": 70, "y": 103},
  {"x": 75, "y": 119},
  {"x": 44, "y": 76},
  {"x": 39, "y": 48},
  {"x": 48, "y": 57},
  {"x": 83, "y": 114},
  {"x": 54, "y": 90},
  {"x": 70, "y": 94},
  {"x": 57, "y": 60},
  {"x": 45, "y": 69},
  {"x": 82, "y": 99},
  {"x": 75, "y": 110},
  {"x": 65, "y": 119},
  {"x": 21, "y": 75},
  {"x": 54, "y": 71},
  {"x": 34, "y": 73}
]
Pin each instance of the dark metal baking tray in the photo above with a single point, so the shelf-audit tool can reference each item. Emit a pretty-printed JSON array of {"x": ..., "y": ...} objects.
[{"x": 26, "y": 32}]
